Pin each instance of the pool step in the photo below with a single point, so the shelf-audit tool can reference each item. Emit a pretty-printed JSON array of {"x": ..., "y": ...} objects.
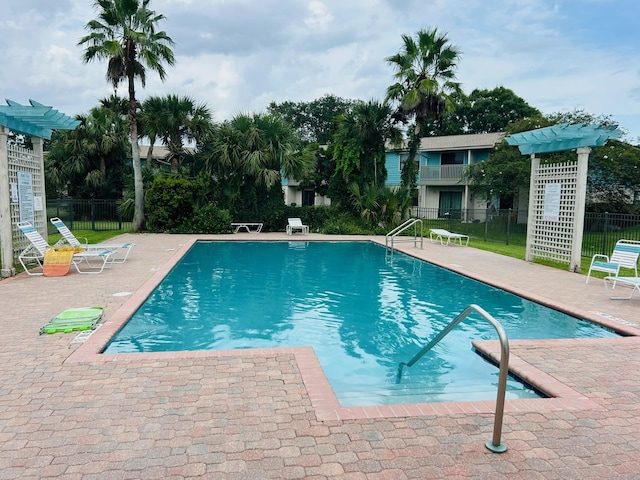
[{"x": 360, "y": 395}]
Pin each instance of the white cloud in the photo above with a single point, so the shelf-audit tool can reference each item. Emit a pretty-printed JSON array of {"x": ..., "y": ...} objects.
[
  {"x": 239, "y": 55},
  {"x": 320, "y": 18}
]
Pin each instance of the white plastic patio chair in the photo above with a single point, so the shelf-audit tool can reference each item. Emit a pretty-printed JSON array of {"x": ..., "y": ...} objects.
[
  {"x": 34, "y": 253},
  {"x": 625, "y": 254},
  {"x": 296, "y": 224},
  {"x": 69, "y": 238}
]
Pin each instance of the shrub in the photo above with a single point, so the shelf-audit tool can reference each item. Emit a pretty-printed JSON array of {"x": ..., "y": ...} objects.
[
  {"x": 170, "y": 202},
  {"x": 207, "y": 219},
  {"x": 349, "y": 224}
]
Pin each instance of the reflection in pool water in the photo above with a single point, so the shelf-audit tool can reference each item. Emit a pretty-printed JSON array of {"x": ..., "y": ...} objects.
[{"x": 361, "y": 310}]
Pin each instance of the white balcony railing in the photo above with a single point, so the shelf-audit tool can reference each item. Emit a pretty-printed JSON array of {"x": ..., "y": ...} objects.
[{"x": 441, "y": 174}]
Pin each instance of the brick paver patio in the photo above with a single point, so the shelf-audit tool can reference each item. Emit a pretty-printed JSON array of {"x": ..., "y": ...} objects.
[{"x": 68, "y": 413}]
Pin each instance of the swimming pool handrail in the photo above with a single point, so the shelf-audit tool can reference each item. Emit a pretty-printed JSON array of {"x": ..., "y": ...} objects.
[
  {"x": 401, "y": 228},
  {"x": 494, "y": 444}
]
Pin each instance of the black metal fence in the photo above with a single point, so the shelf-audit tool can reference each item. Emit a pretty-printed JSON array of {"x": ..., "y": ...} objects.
[
  {"x": 92, "y": 214},
  {"x": 601, "y": 230}
]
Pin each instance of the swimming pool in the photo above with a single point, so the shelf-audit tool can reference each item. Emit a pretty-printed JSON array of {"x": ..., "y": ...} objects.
[{"x": 361, "y": 310}]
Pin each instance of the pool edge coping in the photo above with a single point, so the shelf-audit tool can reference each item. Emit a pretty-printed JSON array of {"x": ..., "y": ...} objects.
[{"x": 323, "y": 399}]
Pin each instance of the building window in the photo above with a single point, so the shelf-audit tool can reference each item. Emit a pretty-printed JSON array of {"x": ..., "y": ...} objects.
[
  {"x": 308, "y": 197},
  {"x": 452, "y": 158},
  {"x": 405, "y": 156}
]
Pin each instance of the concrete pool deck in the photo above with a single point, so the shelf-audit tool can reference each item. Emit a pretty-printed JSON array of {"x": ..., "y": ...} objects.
[{"x": 66, "y": 412}]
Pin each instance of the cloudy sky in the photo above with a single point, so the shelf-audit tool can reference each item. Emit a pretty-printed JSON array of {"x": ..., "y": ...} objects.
[{"x": 239, "y": 55}]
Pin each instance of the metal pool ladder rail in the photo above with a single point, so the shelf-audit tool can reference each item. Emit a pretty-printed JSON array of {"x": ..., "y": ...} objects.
[
  {"x": 494, "y": 444},
  {"x": 391, "y": 236}
]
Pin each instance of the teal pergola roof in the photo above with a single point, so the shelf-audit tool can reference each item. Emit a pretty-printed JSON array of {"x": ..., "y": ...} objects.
[
  {"x": 562, "y": 137},
  {"x": 35, "y": 120}
]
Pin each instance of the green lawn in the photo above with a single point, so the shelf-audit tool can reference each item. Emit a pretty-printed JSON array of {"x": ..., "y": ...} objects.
[
  {"x": 517, "y": 251},
  {"x": 90, "y": 235}
]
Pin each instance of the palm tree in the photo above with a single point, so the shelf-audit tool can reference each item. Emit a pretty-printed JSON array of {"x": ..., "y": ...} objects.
[
  {"x": 248, "y": 155},
  {"x": 175, "y": 119},
  {"x": 125, "y": 35},
  {"x": 91, "y": 156},
  {"x": 359, "y": 143},
  {"x": 425, "y": 72}
]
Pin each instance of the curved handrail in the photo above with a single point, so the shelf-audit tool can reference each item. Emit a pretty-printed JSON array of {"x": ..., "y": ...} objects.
[
  {"x": 495, "y": 444},
  {"x": 401, "y": 228}
]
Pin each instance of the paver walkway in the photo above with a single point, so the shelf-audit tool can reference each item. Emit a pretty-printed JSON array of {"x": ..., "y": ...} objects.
[{"x": 251, "y": 417}]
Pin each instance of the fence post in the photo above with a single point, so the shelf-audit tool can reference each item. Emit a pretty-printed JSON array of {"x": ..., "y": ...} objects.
[
  {"x": 508, "y": 225},
  {"x": 93, "y": 214},
  {"x": 486, "y": 224},
  {"x": 605, "y": 229},
  {"x": 72, "y": 208}
]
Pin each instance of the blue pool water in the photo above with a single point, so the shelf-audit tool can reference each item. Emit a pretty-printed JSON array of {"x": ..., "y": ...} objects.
[{"x": 363, "y": 312}]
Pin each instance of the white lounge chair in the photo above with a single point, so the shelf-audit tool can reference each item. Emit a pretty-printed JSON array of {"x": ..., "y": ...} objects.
[
  {"x": 610, "y": 285},
  {"x": 441, "y": 234},
  {"x": 625, "y": 254},
  {"x": 70, "y": 239},
  {"x": 35, "y": 252},
  {"x": 296, "y": 224}
]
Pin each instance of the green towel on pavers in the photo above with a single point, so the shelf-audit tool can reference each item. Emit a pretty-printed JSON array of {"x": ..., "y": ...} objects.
[{"x": 84, "y": 318}]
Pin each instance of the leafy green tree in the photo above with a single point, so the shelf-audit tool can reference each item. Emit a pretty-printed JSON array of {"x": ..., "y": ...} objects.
[
  {"x": 358, "y": 147},
  {"x": 246, "y": 157},
  {"x": 317, "y": 177},
  {"x": 483, "y": 111},
  {"x": 175, "y": 120},
  {"x": 425, "y": 80},
  {"x": 89, "y": 160},
  {"x": 503, "y": 174},
  {"x": 613, "y": 180},
  {"x": 380, "y": 205},
  {"x": 125, "y": 34},
  {"x": 492, "y": 110},
  {"x": 315, "y": 120}
]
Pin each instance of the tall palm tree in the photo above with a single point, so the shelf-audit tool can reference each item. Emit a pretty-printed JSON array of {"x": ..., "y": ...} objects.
[
  {"x": 125, "y": 35},
  {"x": 175, "y": 119},
  {"x": 425, "y": 80}
]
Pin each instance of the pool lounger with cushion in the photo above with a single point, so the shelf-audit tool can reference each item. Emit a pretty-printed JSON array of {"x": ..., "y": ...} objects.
[{"x": 84, "y": 318}]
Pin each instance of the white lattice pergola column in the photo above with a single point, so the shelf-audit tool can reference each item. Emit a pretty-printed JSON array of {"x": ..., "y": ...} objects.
[
  {"x": 557, "y": 237},
  {"x": 35, "y": 121},
  {"x": 557, "y": 192},
  {"x": 6, "y": 256}
]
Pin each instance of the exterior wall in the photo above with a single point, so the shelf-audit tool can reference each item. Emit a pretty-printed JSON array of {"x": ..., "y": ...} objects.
[
  {"x": 392, "y": 162},
  {"x": 429, "y": 196},
  {"x": 293, "y": 195},
  {"x": 431, "y": 158}
]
